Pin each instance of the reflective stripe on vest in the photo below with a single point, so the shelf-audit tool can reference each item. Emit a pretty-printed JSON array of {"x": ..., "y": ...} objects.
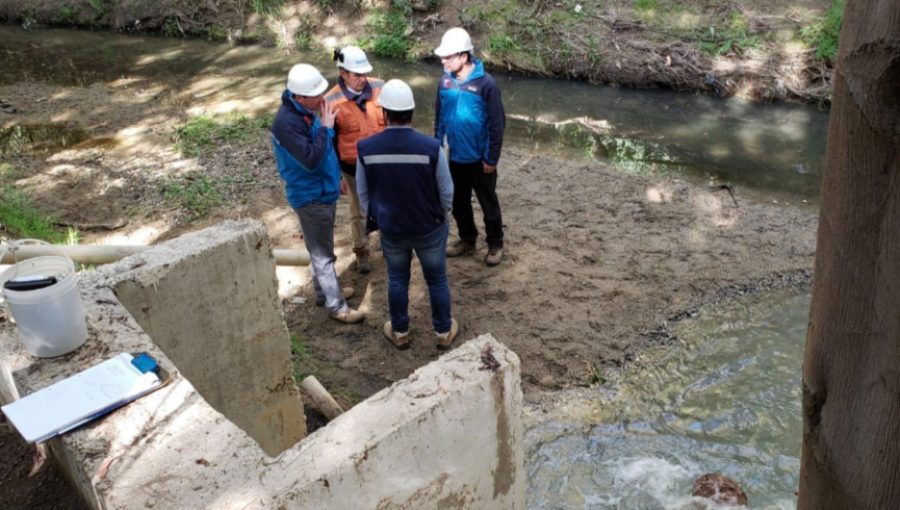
[{"x": 352, "y": 123}]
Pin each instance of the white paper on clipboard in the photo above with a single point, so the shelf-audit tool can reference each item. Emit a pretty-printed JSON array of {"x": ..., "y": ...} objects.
[{"x": 80, "y": 398}]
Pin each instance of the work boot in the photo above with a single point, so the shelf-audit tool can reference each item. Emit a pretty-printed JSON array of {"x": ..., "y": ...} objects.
[
  {"x": 363, "y": 260},
  {"x": 350, "y": 316},
  {"x": 494, "y": 256},
  {"x": 445, "y": 339},
  {"x": 461, "y": 249},
  {"x": 398, "y": 340},
  {"x": 346, "y": 293}
]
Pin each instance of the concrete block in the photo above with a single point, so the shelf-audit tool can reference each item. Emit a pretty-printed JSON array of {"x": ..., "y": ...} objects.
[
  {"x": 449, "y": 436},
  {"x": 209, "y": 300}
]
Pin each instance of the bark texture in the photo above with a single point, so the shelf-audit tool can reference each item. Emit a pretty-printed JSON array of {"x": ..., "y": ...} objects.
[{"x": 851, "y": 370}]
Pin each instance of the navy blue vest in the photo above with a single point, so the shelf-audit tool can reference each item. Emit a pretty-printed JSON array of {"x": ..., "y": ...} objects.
[{"x": 401, "y": 177}]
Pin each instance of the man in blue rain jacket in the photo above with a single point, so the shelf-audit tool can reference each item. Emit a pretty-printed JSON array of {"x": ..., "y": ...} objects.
[
  {"x": 309, "y": 166},
  {"x": 470, "y": 118}
]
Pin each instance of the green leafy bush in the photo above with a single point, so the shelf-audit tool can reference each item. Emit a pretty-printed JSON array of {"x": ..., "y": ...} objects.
[{"x": 824, "y": 36}]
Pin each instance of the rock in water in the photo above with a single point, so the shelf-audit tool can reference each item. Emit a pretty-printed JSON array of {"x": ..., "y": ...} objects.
[{"x": 719, "y": 489}]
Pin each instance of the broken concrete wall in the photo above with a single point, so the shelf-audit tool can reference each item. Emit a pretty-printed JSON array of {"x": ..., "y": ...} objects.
[
  {"x": 209, "y": 300},
  {"x": 449, "y": 436}
]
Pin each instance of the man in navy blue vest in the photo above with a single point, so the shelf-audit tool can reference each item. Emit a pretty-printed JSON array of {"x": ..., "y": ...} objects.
[{"x": 405, "y": 187}]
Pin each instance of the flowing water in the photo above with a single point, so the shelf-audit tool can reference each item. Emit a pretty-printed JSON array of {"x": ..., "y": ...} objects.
[
  {"x": 725, "y": 399},
  {"x": 773, "y": 150}
]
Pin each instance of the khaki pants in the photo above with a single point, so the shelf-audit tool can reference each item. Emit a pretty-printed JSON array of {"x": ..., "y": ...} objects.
[{"x": 357, "y": 216}]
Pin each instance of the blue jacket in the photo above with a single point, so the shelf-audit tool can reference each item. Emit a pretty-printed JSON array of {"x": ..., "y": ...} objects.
[
  {"x": 400, "y": 184},
  {"x": 471, "y": 115},
  {"x": 306, "y": 158}
]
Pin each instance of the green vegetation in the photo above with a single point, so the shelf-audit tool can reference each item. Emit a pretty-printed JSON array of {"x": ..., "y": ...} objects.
[
  {"x": 201, "y": 134},
  {"x": 23, "y": 219},
  {"x": 394, "y": 37},
  {"x": 195, "y": 194},
  {"x": 267, "y": 8},
  {"x": 298, "y": 348},
  {"x": 67, "y": 15},
  {"x": 824, "y": 36},
  {"x": 733, "y": 36}
]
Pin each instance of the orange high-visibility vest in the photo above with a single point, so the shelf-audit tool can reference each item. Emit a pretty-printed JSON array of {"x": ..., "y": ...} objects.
[{"x": 352, "y": 123}]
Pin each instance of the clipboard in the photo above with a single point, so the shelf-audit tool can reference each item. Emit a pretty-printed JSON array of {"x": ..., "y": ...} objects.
[{"x": 85, "y": 396}]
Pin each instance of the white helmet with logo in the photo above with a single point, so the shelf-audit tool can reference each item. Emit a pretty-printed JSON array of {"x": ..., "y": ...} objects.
[
  {"x": 353, "y": 59},
  {"x": 306, "y": 80},
  {"x": 456, "y": 40},
  {"x": 396, "y": 96}
]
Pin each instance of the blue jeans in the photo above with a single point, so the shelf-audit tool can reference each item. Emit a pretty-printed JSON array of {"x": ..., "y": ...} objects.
[{"x": 431, "y": 251}]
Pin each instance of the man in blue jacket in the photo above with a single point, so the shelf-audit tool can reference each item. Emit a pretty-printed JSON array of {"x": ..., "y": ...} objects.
[
  {"x": 309, "y": 166},
  {"x": 469, "y": 116},
  {"x": 405, "y": 188}
]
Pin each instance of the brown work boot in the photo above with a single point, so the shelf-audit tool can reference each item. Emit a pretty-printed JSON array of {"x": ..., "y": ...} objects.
[
  {"x": 494, "y": 256},
  {"x": 363, "y": 260},
  {"x": 444, "y": 340},
  {"x": 351, "y": 316},
  {"x": 346, "y": 293},
  {"x": 460, "y": 249},
  {"x": 400, "y": 341}
]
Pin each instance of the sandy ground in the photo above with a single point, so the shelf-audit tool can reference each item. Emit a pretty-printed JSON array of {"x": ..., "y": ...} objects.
[{"x": 598, "y": 263}]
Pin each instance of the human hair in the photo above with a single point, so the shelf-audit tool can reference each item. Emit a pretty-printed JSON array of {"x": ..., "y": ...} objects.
[
  {"x": 399, "y": 117},
  {"x": 468, "y": 55}
]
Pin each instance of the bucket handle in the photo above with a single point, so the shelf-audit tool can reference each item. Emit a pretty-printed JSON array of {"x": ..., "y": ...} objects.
[{"x": 12, "y": 248}]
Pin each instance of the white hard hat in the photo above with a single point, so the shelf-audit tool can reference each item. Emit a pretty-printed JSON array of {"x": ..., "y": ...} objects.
[
  {"x": 455, "y": 40},
  {"x": 396, "y": 96},
  {"x": 353, "y": 59},
  {"x": 306, "y": 80}
]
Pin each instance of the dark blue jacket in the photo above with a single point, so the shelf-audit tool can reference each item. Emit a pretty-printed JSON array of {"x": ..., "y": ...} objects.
[
  {"x": 471, "y": 115},
  {"x": 401, "y": 176},
  {"x": 306, "y": 158}
]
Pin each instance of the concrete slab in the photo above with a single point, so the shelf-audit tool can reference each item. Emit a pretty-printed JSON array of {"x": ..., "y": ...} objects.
[{"x": 449, "y": 436}]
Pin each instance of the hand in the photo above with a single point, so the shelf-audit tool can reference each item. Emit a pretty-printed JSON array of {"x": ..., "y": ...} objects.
[
  {"x": 489, "y": 169},
  {"x": 328, "y": 113},
  {"x": 344, "y": 189}
]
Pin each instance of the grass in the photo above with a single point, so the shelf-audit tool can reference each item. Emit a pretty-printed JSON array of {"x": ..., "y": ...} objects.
[
  {"x": 733, "y": 36},
  {"x": 201, "y": 134},
  {"x": 394, "y": 39},
  {"x": 824, "y": 36},
  {"x": 195, "y": 195},
  {"x": 267, "y": 8},
  {"x": 23, "y": 219},
  {"x": 298, "y": 348}
]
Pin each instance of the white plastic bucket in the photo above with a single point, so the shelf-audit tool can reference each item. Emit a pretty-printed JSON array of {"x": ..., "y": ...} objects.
[{"x": 51, "y": 320}]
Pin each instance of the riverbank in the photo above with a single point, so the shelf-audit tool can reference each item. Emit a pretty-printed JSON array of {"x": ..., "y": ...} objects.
[
  {"x": 761, "y": 50},
  {"x": 130, "y": 147},
  {"x": 598, "y": 262}
]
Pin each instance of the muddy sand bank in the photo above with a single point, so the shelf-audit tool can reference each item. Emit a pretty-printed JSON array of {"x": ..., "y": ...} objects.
[{"x": 597, "y": 262}]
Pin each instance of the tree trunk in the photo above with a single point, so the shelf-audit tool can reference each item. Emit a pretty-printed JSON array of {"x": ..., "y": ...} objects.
[{"x": 851, "y": 369}]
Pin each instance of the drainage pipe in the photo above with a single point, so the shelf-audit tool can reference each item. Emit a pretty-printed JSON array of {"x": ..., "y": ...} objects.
[
  {"x": 321, "y": 398},
  {"x": 108, "y": 254}
]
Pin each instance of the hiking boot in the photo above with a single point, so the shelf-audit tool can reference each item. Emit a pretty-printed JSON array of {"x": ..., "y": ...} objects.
[
  {"x": 445, "y": 339},
  {"x": 350, "y": 316},
  {"x": 346, "y": 293},
  {"x": 363, "y": 260},
  {"x": 461, "y": 249},
  {"x": 398, "y": 340},
  {"x": 494, "y": 256}
]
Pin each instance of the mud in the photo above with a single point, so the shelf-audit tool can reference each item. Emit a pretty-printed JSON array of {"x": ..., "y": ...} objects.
[{"x": 597, "y": 262}]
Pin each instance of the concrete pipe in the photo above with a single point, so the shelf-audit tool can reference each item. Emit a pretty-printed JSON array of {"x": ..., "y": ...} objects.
[{"x": 108, "y": 254}]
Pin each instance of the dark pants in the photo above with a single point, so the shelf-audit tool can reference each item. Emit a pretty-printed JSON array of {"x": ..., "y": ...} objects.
[
  {"x": 468, "y": 177},
  {"x": 431, "y": 251}
]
